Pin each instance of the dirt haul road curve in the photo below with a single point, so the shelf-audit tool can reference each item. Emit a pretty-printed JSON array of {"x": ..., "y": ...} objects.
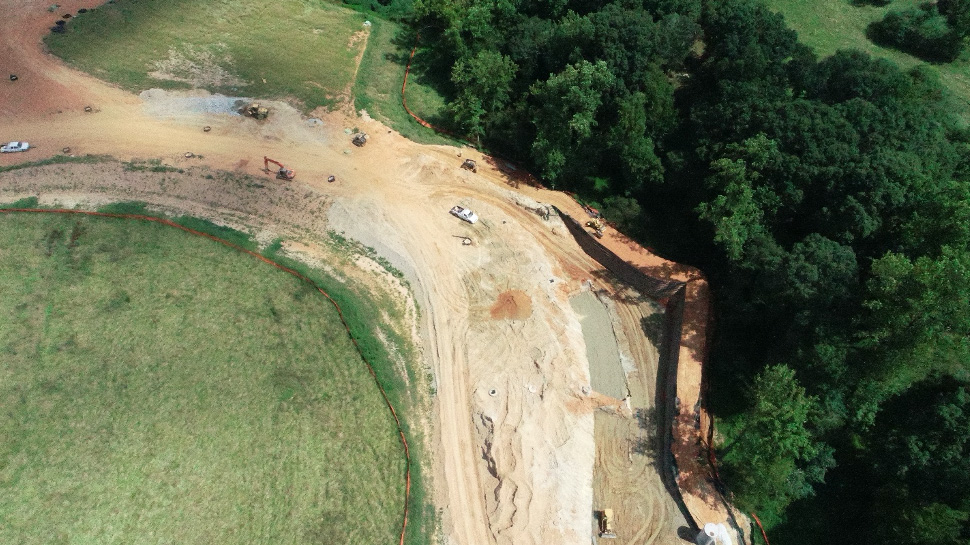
[{"x": 512, "y": 432}]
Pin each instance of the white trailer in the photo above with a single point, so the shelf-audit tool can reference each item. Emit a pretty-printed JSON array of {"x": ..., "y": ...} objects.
[{"x": 14, "y": 147}]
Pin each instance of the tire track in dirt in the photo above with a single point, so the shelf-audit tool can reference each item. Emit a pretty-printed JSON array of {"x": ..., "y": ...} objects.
[
  {"x": 626, "y": 475},
  {"x": 494, "y": 353}
]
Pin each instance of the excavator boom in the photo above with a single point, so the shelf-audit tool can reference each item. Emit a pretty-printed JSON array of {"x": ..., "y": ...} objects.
[{"x": 283, "y": 173}]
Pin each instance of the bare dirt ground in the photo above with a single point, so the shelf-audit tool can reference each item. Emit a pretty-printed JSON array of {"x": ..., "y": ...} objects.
[
  {"x": 513, "y": 431},
  {"x": 627, "y": 449}
]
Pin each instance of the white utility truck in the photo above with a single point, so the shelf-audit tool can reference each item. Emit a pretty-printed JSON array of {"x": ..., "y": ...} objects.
[{"x": 464, "y": 214}]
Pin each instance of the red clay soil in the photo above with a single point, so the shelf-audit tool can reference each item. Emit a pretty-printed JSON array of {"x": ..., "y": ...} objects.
[
  {"x": 61, "y": 88},
  {"x": 512, "y": 305}
]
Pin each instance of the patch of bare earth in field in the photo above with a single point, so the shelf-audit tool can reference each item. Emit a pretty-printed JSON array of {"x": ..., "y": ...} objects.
[
  {"x": 516, "y": 431},
  {"x": 197, "y": 67}
]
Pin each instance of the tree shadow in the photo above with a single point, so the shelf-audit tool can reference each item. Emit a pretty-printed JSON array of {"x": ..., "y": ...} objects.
[
  {"x": 653, "y": 327},
  {"x": 667, "y": 405},
  {"x": 430, "y": 67},
  {"x": 649, "y": 443},
  {"x": 514, "y": 175},
  {"x": 619, "y": 290}
]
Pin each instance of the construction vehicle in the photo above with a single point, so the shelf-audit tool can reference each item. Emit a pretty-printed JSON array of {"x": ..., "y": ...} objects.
[
  {"x": 283, "y": 173},
  {"x": 256, "y": 111},
  {"x": 606, "y": 524},
  {"x": 597, "y": 226},
  {"x": 359, "y": 139},
  {"x": 469, "y": 165},
  {"x": 464, "y": 214}
]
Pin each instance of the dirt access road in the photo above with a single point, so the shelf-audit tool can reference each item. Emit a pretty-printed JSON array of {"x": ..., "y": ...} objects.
[{"x": 512, "y": 432}]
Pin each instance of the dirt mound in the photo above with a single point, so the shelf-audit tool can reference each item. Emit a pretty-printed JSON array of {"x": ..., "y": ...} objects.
[{"x": 512, "y": 305}]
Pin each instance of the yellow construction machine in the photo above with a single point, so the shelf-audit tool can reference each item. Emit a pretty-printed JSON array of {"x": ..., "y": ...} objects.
[
  {"x": 256, "y": 111},
  {"x": 606, "y": 524}
]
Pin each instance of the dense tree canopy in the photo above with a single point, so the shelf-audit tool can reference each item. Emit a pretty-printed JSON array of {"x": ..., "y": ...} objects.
[
  {"x": 828, "y": 200},
  {"x": 579, "y": 89}
]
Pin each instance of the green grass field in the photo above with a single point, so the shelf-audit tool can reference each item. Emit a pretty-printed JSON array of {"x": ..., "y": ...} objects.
[
  {"x": 830, "y": 25},
  {"x": 290, "y": 49},
  {"x": 300, "y": 48},
  {"x": 157, "y": 387}
]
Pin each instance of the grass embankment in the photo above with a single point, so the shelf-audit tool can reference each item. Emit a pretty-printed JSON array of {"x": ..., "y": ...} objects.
[
  {"x": 830, "y": 25},
  {"x": 159, "y": 387},
  {"x": 366, "y": 314},
  {"x": 287, "y": 48},
  {"x": 378, "y": 86},
  {"x": 58, "y": 160}
]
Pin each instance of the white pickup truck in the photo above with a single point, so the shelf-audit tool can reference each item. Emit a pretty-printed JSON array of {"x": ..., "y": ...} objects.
[
  {"x": 464, "y": 214},
  {"x": 14, "y": 146}
]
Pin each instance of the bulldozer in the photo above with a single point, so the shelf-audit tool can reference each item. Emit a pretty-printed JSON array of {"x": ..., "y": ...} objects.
[
  {"x": 597, "y": 226},
  {"x": 359, "y": 139},
  {"x": 256, "y": 111},
  {"x": 283, "y": 173},
  {"x": 469, "y": 165}
]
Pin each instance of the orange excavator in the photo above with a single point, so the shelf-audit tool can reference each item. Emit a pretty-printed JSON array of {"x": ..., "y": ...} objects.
[{"x": 283, "y": 173}]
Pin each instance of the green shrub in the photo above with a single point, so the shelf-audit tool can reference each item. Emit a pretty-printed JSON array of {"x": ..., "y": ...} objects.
[
  {"x": 922, "y": 32},
  {"x": 28, "y": 202}
]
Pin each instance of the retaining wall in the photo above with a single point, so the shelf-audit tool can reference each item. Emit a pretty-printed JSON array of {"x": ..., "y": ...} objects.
[{"x": 672, "y": 293}]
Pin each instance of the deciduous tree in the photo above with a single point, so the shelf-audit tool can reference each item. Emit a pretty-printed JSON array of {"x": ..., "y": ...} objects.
[
  {"x": 566, "y": 115},
  {"x": 775, "y": 457}
]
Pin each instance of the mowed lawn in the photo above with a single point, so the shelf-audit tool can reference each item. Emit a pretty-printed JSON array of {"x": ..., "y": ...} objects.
[
  {"x": 157, "y": 387},
  {"x": 830, "y": 25},
  {"x": 302, "y": 49}
]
